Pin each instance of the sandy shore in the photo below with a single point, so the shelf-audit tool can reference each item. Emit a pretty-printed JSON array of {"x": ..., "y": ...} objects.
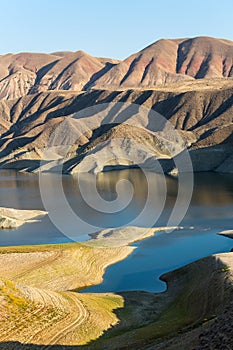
[
  {"x": 70, "y": 266},
  {"x": 38, "y": 280},
  {"x": 13, "y": 218},
  {"x": 227, "y": 233},
  {"x": 124, "y": 236}
]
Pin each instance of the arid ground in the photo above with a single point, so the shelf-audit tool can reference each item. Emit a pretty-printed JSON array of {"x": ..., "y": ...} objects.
[{"x": 41, "y": 305}]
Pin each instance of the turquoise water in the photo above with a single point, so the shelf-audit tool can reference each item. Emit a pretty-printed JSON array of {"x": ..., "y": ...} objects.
[
  {"x": 210, "y": 212},
  {"x": 158, "y": 255}
]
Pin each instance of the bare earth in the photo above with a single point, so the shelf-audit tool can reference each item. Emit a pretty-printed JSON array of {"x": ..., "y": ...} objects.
[
  {"x": 12, "y": 218},
  {"x": 38, "y": 304},
  {"x": 200, "y": 110},
  {"x": 165, "y": 61}
]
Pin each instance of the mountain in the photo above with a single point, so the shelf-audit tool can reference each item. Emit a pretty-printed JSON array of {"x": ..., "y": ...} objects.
[
  {"x": 163, "y": 62},
  {"x": 168, "y": 61},
  {"x": 28, "y": 73},
  {"x": 201, "y": 112},
  {"x": 72, "y": 108}
]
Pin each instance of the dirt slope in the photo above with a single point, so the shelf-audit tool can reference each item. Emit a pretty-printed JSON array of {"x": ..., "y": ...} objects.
[
  {"x": 167, "y": 61},
  {"x": 27, "y": 73},
  {"x": 203, "y": 115},
  {"x": 34, "y": 312},
  {"x": 163, "y": 62}
]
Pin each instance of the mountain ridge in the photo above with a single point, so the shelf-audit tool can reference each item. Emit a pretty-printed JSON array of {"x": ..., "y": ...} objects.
[
  {"x": 161, "y": 63},
  {"x": 189, "y": 82},
  {"x": 203, "y": 118}
]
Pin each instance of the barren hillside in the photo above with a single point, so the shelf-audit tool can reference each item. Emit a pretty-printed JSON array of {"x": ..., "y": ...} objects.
[
  {"x": 187, "y": 81},
  {"x": 167, "y": 61},
  {"x": 202, "y": 114},
  {"x": 163, "y": 62}
]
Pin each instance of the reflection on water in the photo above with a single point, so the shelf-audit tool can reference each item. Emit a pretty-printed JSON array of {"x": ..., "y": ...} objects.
[
  {"x": 128, "y": 190},
  {"x": 212, "y": 200},
  {"x": 210, "y": 211}
]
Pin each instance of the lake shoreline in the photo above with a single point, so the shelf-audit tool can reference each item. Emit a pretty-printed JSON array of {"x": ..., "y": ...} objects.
[{"x": 50, "y": 269}]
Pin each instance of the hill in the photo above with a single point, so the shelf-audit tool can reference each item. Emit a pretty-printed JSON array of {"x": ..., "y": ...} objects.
[
  {"x": 163, "y": 62},
  {"x": 202, "y": 115}
]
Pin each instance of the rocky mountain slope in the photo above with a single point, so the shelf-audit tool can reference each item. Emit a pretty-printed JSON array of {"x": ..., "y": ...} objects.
[
  {"x": 49, "y": 120},
  {"x": 27, "y": 73},
  {"x": 163, "y": 62},
  {"x": 187, "y": 82},
  {"x": 168, "y": 61},
  {"x": 13, "y": 218}
]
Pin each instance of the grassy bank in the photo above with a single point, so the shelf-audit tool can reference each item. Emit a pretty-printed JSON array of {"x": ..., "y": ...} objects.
[{"x": 39, "y": 307}]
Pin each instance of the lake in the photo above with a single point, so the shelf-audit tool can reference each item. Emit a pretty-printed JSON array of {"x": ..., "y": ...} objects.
[{"x": 210, "y": 212}]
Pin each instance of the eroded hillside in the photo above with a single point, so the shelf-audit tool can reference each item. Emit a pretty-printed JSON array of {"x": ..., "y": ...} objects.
[
  {"x": 201, "y": 114},
  {"x": 163, "y": 62}
]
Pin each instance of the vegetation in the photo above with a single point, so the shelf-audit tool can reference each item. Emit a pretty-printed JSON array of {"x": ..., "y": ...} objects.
[{"x": 38, "y": 306}]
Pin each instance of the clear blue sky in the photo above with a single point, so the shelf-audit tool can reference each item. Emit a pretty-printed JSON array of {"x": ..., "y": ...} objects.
[{"x": 105, "y": 27}]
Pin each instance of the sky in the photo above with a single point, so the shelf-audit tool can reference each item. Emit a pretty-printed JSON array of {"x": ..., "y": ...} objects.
[{"x": 107, "y": 28}]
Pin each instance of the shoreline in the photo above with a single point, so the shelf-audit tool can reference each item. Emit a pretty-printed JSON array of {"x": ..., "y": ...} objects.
[
  {"x": 227, "y": 233},
  {"x": 197, "y": 296},
  {"x": 116, "y": 245},
  {"x": 50, "y": 271},
  {"x": 11, "y": 218},
  {"x": 107, "y": 240}
]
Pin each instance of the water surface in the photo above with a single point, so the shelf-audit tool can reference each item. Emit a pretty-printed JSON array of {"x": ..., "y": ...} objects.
[{"x": 210, "y": 212}]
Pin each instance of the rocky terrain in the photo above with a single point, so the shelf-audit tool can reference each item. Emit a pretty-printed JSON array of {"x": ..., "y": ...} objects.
[
  {"x": 219, "y": 334},
  {"x": 189, "y": 82},
  {"x": 12, "y": 218},
  {"x": 71, "y": 112},
  {"x": 168, "y": 61},
  {"x": 35, "y": 126},
  {"x": 39, "y": 308},
  {"x": 163, "y": 62}
]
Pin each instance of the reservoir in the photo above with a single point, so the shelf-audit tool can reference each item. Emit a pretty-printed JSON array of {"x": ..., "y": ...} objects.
[{"x": 210, "y": 212}]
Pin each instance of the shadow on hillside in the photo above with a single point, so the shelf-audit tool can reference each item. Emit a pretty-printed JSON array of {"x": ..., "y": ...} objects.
[
  {"x": 22, "y": 164},
  {"x": 201, "y": 289},
  {"x": 19, "y": 346}
]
